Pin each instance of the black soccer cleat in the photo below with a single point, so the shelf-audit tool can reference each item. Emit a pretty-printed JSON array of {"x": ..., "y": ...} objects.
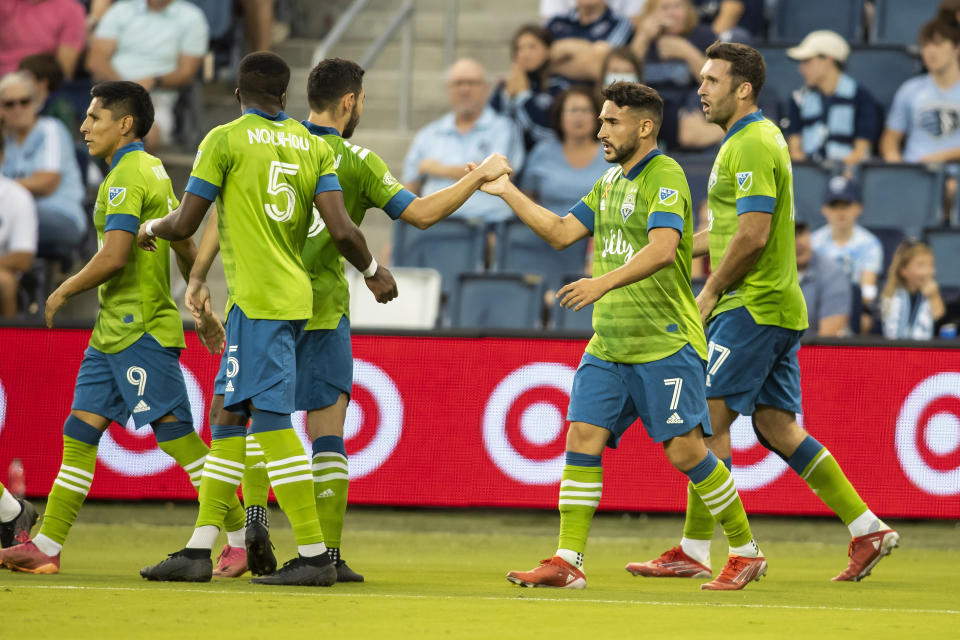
[
  {"x": 346, "y": 574},
  {"x": 260, "y": 558},
  {"x": 181, "y": 567},
  {"x": 318, "y": 571},
  {"x": 18, "y": 530}
]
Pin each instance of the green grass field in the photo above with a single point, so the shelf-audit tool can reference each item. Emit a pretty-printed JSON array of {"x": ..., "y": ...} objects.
[{"x": 440, "y": 574}]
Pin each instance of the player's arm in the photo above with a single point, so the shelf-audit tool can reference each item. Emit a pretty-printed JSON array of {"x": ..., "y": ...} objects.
[
  {"x": 186, "y": 253},
  {"x": 559, "y": 232},
  {"x": 426, "y": 211},
  {"x": 659, "y": 252},
  {"x": 107, "y": 262},
  {"x": 179, "y": 224},
  {"x": 701, "y": 243},
  {"x": 745, "y": 248}
]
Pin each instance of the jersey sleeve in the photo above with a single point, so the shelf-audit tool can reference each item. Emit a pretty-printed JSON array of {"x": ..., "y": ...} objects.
[
  {"x": 209, "y": 167},
  {"x": 382, "y": 189},
  {"x": 752, "y": 166},
  {"x": 589, "y": 206},
  {"x": 666, "y": 193},
  {"x": 328, "y": 180},
  {"x": 124, "y": 201}
]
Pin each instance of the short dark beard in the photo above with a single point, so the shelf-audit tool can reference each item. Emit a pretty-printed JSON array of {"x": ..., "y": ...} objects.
[
  {"x": 351, "y": 123},
  {"x": 622, "y": 155}
]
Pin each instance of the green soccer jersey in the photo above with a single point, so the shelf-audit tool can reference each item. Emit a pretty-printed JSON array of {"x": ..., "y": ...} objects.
[
  {"x": 654, "y": 318},
  {"x": 263, "y": 171},
  {"x": 136, "y": 300},
  {"x": 752, "y": 172},
  {"x": 366, "y": 183}
]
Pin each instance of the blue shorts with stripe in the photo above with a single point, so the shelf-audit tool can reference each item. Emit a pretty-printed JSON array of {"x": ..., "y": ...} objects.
[
  {"x": 259, "y": 364},
  {"x": 144, "y": 380},
  {"x": 324, "y": 366},
  {"x": 666, "y": 394},
  {"x": 751, "y": 364}
]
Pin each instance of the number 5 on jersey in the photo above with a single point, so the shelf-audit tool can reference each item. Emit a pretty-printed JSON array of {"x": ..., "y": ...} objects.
[{"x": 275, "y": 187}]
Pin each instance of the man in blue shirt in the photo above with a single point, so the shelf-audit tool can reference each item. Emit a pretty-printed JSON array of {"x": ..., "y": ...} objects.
[{"x": 832, "y": 117}]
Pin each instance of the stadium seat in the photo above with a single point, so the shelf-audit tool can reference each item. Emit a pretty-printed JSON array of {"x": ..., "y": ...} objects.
[
  {"x": 569, "y": 320},
  {"x": 697, "y": 168},
  {"x": 417, "y": 306},
  {"x": 499, "y": 301},
  {"x": 856, "y": 308},
  {"x": 946, "y": 253},
  {"x": 907, "y": 196},
  {"x": 882, "y": 70},
  {"x": 520, "y": 250},
  {"x": 890, "y": 238},
  {"x": 899, "y": 21},
  {"x": 782, "y": 78},
  {"x": 809, "y": 184},
  {"x": 792, "y": 20}
]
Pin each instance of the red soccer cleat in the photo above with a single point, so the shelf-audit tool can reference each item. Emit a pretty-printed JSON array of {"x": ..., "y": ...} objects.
[
  {"x": 231, "y": 563},
  {"x": 28, "y": 558},
  {"x": 674, "y": 563},
  {"x": 553, "y": 572},
  {"x": 865, "y": 552},
  {"x": 737, "y": 573}
]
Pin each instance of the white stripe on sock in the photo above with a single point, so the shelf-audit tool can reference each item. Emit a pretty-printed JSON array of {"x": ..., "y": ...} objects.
[
  {"x": 193, "y": 465},
  {"x": 69, "y": 486},
  {"x": 718, "y": 510},
  {"x": 277, "y": 483},
  {"x": 232, "y": 481},
  {"x": 276, "y": 473},
  {"x": 228, "y": 471},
  {"x": 581, "y": 494},
  {"x": 329, "y": 454},
  {"x": 721, "y": 498},
  {"x": 301, "y": 459},
  {"x": 331, "y": 476},
  {"x": 329, "y": 465},
  {"x": 723, "y": 488},
  {"x": 583, "y": 485},
  {"x": 80, "y": 482},
  {"x": 228, "y": 463},
  {"x": 580, "y": 503},
  {"x": 824, "y": 454},
  {"x": 81, "y": 472}
]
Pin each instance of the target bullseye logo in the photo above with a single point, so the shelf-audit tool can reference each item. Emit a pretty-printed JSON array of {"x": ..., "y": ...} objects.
[
  {"x": 135, "y": 453},
  {"x": 374, "y": 420},
  {"x": 524, "y": 419},
  {"x": 758, "y": 465},
  {"x": 928, "y": 435}
]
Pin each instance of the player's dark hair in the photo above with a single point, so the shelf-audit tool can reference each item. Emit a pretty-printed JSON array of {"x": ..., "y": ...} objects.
[
  {"x": 943, "y": 29},
  {"x": 262, "y": 76},
  {"x": 125, "y": 98},
  {"x": 556, "y": 109},
  {"x": 800, "y": 227},
  {"x": 332, "y": 79},
  {"x": 746, "y": 64},
  {"x": 43, "y": 66},
  {"x": 636, "y": 96}
]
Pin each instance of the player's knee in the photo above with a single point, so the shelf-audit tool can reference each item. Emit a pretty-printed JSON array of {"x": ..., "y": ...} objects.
[
  {"x": 586, "y": 438},
  {"x": 762, "y": 432}
]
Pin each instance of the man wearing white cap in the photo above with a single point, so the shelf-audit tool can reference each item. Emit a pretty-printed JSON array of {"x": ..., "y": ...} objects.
[{"x": 832, "y": 117}]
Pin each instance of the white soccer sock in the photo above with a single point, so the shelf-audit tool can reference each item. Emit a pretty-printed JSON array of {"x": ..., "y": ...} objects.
[
  {"x": 9, "y": 507},
  {"x": 699, "y": 550},
  {"x": 47, "y": 545},
  {"x": 749, "y": 550},
  {"x": 236, "y": 538},
  {"x": 866, "y": 523},
  {"x": 311, "y": 550},
  {"x": 203, "y": 537},
  {"x": 573, "y": 557}
]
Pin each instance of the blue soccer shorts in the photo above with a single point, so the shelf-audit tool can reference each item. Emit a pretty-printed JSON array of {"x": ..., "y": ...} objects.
[{"x": 324, "y": 366}]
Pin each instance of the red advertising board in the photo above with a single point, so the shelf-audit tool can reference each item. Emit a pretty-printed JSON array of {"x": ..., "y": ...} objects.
[{"x": 462, "y": 422}]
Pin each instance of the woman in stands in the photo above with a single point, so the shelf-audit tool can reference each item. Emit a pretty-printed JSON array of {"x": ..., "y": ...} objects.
[
  {"x": 527, "y": 93},
  {"x": 910, "y": 303}
]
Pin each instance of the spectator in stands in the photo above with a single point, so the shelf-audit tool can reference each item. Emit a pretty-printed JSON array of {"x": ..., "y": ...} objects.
[
  {"x": 857, "y": 251},
  {"x": 39, "y": 155},
  {"x": 18, "y": 239},
  {"x": 41, "y": 26},
  {"x": 733, "y": 20},
  {"x": 619, "y": 65},
  {"x": 159, "y": 44},
  {"x": 441, "y": 150},
  {"x": 825, "y": 288},
  {"x": 584, "y": 36},
  {"x": 47, "y": 76},
  {"x": 832, "y": 117},
  {"x": 910, "y": 303},
  {"x": 949, "y": 11},
  {"x": 562, "y": 168},
  {"x": 924, "y": 121},
  {"x": 528, "y": 92},
  {"x": 627, "y": 8}
]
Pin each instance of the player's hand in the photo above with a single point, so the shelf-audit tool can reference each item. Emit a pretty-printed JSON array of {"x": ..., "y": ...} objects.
[
  {"x": 581, "y": 293},
  {"x": 497, "y": 187},
  {"x": 494, "y": 166},
  {"x": 144, "y": 241},
  {"x": 56, "y": 300},
  {"x": 706, "y": 302},
  {"x": 382, "y": 284},
  {"x": 211, "y": 333},
  {"x": 197, "y": 298}
]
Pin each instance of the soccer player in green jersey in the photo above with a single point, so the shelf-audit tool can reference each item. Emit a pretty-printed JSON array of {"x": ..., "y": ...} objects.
[
  {"x": 755, "y": 315},
  {"x": 647, "y": 358},
  {"x": 265, "y": 170},
  {"x": 132, "y": 363},
  {"x": 324, "y": 355}
]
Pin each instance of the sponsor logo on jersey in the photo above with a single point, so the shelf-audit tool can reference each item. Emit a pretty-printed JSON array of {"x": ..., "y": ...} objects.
[
  {"x": 389, "y": 180},
  {"x": 745, "y": 180},
  {"x": 615, "y": 245},
  {"x": 629, "y": 201},
  {"x": 116, "y": 195},
  {"x": 669, "y": 197}
]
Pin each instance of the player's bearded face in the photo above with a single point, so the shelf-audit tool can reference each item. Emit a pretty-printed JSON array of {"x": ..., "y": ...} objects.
[{"x": 352, "y": 122}]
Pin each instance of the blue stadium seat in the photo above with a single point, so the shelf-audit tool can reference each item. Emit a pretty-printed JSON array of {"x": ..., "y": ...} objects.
[
  {"x": 792, "y": 20},
  {"x": 882, "y": 70},
  {"x": 782, "y": 78},
  {"x": 569, "y": 320},
  {"x": 946, "y": 252},
  {"x": 809, "y": 185},
  {"x": 520, "y": 250},
  {"x": 890, "y": 238},
  {"x": 899, "y": 21},
  {"x": 697, "y": 168},
  {"x": 499, "y": 301},
  {"x": 905, "y": 196}
]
